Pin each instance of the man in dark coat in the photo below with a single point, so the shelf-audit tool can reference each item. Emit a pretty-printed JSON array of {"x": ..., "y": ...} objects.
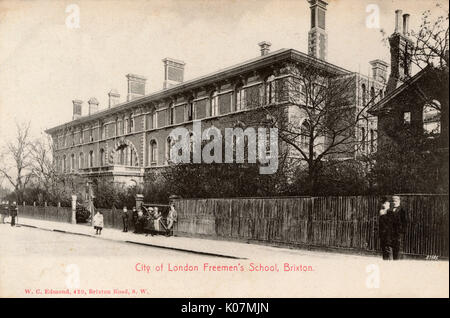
[
  {"x": 399, "y": 220},
  {"x": 13, "y": 212},
  {"x": 385, "y": 229}
]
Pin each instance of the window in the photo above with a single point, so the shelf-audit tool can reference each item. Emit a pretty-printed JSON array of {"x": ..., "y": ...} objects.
[
  {"x": 270, "y": 89},
  {"x": 91, "y": 159},
  {"x": 81, "y": 161},
  {"x": 102, "y": 157},
  {"x": 432, "y": 118},
  {"x": 72, "y": 137},
  {"x": 154, "y": 120},
  {"x": 64, "y": 164},
  {"x": 372, "y": 94},
  {"x": 240, "y": 98},
  {"x": 214, "y": 103},
  {"x": 117, "y": 126},
  {"x": 91, "y": 134},
  {"x": 131, "y": 128},
  {"x": 407, "y": 117},
  {"x": 125, "y": 126},
  {"x": 102, "y": 131},
  {"x": 169, "y": 143},
  {"x": 171, "y": 114},
  {"x": 153, "y": 152},
  {"x": 190, "y": 110},
  {"x": 305, "y": 134},
  {"x": 363, "y": 88},
  {"x": 72, "y": 162}
]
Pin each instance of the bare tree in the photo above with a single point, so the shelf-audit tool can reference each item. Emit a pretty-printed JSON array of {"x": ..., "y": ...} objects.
[
  {"x": 319, "y": 115},
  {"x": 15, "y": 160}
]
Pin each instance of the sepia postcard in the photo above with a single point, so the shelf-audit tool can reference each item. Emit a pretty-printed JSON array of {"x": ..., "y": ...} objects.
[{"x": 224, "y": 149}]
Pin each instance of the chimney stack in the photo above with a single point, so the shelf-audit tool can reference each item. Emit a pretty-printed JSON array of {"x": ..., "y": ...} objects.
[
  {"x": 136, "y": 86},
  {"x": 317, "y": 36},
  {"x": 173, "y": 72},
  {"x": 406, "y": 24},
  {"x": 379, "y": 70},
  {"x": 401, "y": 48},
  {"x": 93, "y": 105},
  {"x": 76, "y": 108},
  {"x": 398, "y": 21},
  {"x": 264, "y": 47},
  {"x": 114, "y": 98}
]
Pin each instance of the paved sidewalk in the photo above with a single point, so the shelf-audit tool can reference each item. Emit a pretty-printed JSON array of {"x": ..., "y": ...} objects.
[
  {"x": 219, "y": 248},
  {"x": 191, "y": 245}
]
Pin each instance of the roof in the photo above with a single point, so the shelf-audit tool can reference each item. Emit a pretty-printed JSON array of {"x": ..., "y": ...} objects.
[
  {"x": 381, "y": 105},
  {"x": 260, "y": 61}
]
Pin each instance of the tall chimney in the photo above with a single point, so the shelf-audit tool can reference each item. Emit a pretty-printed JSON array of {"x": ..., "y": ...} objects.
[
  {"x": 406, "y": 24},
  {"x": 401, "y": 47},
  {"x": 379, "y": 70},
  {"x": 136, "y": 86},
  {"x": 317, "y": 36},
  {"x": 173, "y": 72},
  {"x": 264, "y": 47},
  {"x": 114, "y": 98},
  {"x": 93, "y": 105},
  {"x": 76, "y": 108},
  {"x": 398, "y": 21}
]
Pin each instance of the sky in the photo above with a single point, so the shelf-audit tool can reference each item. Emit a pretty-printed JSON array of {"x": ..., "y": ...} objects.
[{"x": 44, "y": 64}]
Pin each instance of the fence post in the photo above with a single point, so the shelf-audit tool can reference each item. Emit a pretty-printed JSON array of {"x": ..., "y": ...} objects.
[{"x": 73, "y": 219}]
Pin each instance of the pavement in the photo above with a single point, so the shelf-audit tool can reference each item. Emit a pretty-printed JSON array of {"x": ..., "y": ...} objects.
[{"x": 202, "y": 246}]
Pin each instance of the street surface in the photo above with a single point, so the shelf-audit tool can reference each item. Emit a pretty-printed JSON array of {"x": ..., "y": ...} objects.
[{"x": 35, "y": 261}]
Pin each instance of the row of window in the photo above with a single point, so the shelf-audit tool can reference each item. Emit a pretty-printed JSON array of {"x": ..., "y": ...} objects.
[
  {"x": 240, "y": 100},
  {"x": 372, "y": 97}
]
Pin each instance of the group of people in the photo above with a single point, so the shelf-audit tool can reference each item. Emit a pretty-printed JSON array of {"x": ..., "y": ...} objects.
[
  {"x": 8, "y": 210},
  {"x": 149, "y": 217},
  {"x": 392, "y": 226}
]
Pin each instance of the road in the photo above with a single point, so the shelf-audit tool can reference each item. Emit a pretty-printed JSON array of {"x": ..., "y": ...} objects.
[{"x": 33, "y": 261}]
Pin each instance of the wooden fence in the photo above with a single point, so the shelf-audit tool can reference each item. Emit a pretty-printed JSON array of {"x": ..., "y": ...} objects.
[
  {"x": 345, "y": 223},
  {"x": 112, "y": 218}
]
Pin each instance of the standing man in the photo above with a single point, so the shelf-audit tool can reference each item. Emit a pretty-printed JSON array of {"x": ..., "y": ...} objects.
[
  {"x": 385, "y": 229},
  {"x": 13, "y": 213},
  {"x": 399, "y": 220},
  {"x": 172, "y": 217},
  {"x": 125, "y": 219}
]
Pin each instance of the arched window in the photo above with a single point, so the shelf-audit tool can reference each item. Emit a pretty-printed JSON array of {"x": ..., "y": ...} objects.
[
  {"x": 101, "y": 156},
  {"x": 381, "y": 93},
  {"x": 372, "y": 94},
  {"x": 72, "y": 162},
  {"x": 154, "y": 120},
  {"x": 117, "y": 126},
  {"x": 305, "y": 134},
  {"x": 270, "y": 89},
  {"x": 81, "y": 161},
  {"x": 64, "y": 164},
  {"x": 240, "y": 97},
  {"x": 363, "y": 88},
  {"x": 153, "y": 153},
  {"x": 91, "y": 133},
  {"x": 214, "y": 103},
  {"x": 81, "y": 135},
  {"x": 91, "y": 159},
  {"x": 431, "y": 116},
  {"x": 169, "y": 143}
]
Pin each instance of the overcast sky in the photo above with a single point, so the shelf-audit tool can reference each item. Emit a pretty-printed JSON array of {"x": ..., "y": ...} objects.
[{"x": 44, "y": 65}]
